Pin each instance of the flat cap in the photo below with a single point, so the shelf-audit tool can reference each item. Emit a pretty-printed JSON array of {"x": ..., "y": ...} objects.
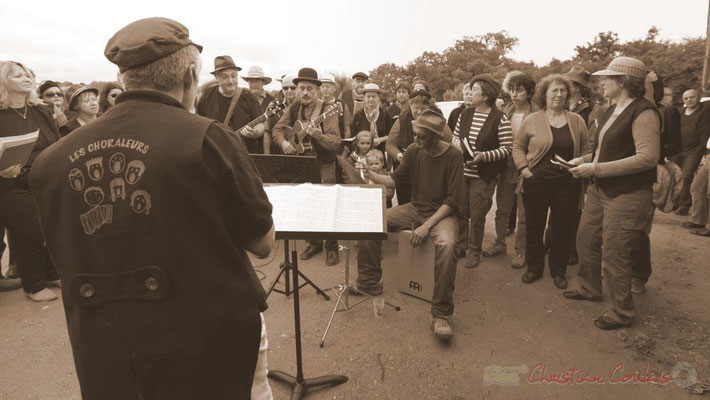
[{"x": 145, "y": 41}]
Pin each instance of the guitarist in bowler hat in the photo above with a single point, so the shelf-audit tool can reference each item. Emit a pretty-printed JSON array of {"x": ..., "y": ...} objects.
[{"x": 324, "y": 138}]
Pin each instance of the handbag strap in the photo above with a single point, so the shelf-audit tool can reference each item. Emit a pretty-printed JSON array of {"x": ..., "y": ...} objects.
[{"x": 235, "y": 100}]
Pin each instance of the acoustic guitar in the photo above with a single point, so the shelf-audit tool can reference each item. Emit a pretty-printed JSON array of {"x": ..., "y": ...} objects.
[
  {"x": 273, "y": 108},
  {"x": 302, "y": 140}
]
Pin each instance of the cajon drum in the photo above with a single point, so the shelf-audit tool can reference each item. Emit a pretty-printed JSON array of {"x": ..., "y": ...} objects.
[{"x": 415, "y": 267}]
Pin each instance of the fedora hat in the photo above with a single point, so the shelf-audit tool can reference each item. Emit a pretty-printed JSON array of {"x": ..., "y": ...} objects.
[
  {"x": 431, "y": 121},
  {"x": 624, "y": 66},
  {"x": 307, "y": 75},
  {"x": 255, "y": 72},
  {"x": 371, "y": 87},
  {"x": 223, "y": 62},
  {"x": 579, "y": 74}
]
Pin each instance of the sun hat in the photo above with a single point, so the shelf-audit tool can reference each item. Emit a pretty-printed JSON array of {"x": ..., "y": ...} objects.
[
  {"x": 624, "y": 66},
  {"x": 255, "y": 72}
]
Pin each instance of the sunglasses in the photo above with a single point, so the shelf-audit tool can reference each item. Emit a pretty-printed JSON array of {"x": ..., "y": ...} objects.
[
  {"x": 290, "y": 88},
  {"x": 52, "y": 94}
]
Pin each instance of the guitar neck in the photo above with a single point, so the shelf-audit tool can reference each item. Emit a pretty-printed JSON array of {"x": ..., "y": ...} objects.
[{"x": 260, "y": 119}]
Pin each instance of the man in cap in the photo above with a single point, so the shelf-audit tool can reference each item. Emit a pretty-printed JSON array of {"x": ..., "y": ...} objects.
[
  {"x": 328, "y": 88},
  {"x": 148, "y": 213},
  {"x": 227, "y": 102},
  {"x": 256, "y": 80},
  {"x": 354, "y": 98},
  {"x": 325, "y": 140},
  {"x": 433, "y": 170}
]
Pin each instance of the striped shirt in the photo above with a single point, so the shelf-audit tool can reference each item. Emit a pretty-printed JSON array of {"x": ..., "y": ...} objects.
[{"x": 505, "y": 141}]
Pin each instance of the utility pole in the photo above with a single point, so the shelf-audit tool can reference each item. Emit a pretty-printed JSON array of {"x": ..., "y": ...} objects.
[{"x": 706, "y": 63}]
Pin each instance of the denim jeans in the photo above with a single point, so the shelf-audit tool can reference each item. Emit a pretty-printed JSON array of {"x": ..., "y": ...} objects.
[
  {"x": 477, "y": 201},
  {"x": 610, "y": 230},
  {"x": 505, "y": 193},
  {"x": 442, "y": 234},
  {"x": 521, "y": 230},
  {"x": 688, "y": 164}
]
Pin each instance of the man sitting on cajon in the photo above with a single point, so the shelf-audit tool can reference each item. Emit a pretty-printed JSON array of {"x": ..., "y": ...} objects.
[{"x": 433, "y": 169}]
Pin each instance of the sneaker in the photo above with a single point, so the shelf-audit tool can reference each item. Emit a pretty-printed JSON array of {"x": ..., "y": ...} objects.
[
  {"x": 309, "y": 252},
  {"x": 43, "y": 295},
  {"x": 332, "y": 257},
  {"x": 7, "y": 284},
  {"x": 56, "y": 284},
  {"x": 371, "y": 290},
  {"x": 472, "y": 260},
  {"x": 518, "y": 261},
  {"x": 637, "y": 287},
  {"x": 441, "y": 328},
  {"x": 494, "y": 250}
]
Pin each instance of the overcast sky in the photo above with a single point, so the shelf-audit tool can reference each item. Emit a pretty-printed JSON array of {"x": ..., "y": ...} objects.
[{"x": 65, "y": 40}]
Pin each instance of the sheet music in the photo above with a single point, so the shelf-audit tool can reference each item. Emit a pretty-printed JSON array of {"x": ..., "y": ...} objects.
[{"x": 319, "y": 208}]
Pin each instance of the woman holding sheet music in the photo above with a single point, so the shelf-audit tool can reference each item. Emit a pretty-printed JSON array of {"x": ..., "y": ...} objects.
[
  {"x": 22, "y": 112},
  {"x": 543, "y": 136}
]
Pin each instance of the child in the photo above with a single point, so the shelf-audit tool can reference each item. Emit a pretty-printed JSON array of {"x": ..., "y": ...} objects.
[
  {"x": 361, "y": 145},
  {"x": 376, "y": 163}
]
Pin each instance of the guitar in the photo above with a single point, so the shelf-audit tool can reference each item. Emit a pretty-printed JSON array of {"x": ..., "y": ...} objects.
[
  {"x": 302, "y": 140},
  {"x": 273, "y": 108}
]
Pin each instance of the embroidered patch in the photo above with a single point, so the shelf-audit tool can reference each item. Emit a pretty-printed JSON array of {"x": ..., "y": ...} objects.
[{"x": 76, "y": 179}]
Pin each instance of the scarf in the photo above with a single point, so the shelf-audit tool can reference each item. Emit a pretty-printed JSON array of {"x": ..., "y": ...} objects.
[{"x": 372, "y": 117}]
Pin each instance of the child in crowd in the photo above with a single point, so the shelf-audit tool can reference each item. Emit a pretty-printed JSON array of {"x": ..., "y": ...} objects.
[
  {"x": 376, "y": 163},
  {"x": 361, "y": 146}
]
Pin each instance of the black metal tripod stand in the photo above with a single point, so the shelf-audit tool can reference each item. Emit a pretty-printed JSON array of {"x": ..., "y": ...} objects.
[
  {"x": 298, "y": 383},
  {"x": 287, "y": 266}
]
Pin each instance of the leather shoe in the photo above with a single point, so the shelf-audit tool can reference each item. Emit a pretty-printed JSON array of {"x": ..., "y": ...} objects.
[
  {"x": 332, "y": 258},
  {"x": 472, "y": 260},
  {"x": 606, "y": 323},
  {"x": 692, "y": 225},
  {"x": 701, "y": 232},
  {"x": 371, "y": 290},
  {"x": 309, "y": 252},
  {"x": 560, "y": 282},
  {"x": 530, "y": 277},
  {"x": 575, "y": 295}
]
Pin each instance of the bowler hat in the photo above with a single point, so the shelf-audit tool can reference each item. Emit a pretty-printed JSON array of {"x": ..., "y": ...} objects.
[
  {"x": 360, "y": 75},
  {"x": 488, "y": 78},
  {"x": 145, "y": 41},
  {"x": 431, "y": 121},
  {"x": 73, "y": 93},
  {"x": 46, "y": 85},
  {"x": 579, "y": 74},
  {"x": 371, "y": 87},
  {"x": 624, "y": 66},
  {"x": 255, "y": 72},
  {"x": 222, "y": 63},
  {"x": 307, "y": 75}
]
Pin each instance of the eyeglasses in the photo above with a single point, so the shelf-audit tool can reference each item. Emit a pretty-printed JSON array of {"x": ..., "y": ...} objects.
[
  {"x": 290, "y": 88},
  {"x": 52, "y": 94}
]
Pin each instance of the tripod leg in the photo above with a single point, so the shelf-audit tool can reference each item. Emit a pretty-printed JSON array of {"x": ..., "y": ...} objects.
[
  {"x": 396, "y": 307},
  {"x": 332, "y": 315},
  {"x": 318, "y": 290},
  {"x": 282, "y": 271}
]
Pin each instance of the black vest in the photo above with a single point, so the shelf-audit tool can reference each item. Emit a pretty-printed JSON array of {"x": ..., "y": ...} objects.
[
  {"x": 487, "y": 139},
  {"x": 296, "y": 113},
  {"x": 618, "y": 143},
  {"x": 137, "y": 228},
  {"x": 406, "y": 137}
]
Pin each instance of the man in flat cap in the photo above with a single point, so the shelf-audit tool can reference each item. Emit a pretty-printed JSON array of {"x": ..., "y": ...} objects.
[
  {"x": 433, "y": 169},
  {"x": 227, "y": 102},
  {"x": 355, "y": 98},
  {"x": 148, "y": 213}
]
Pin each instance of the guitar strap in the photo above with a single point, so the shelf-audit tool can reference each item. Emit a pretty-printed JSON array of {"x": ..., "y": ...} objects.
[{"x": 232, "y": 104}]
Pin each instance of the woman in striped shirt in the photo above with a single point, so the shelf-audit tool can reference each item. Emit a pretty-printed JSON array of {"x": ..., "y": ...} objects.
[{"x": 484, "y": 134}]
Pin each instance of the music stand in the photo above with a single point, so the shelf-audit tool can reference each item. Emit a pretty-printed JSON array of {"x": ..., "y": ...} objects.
[
  {"x": 298, "y": 383},
  {"x": 279, "y": 168}
]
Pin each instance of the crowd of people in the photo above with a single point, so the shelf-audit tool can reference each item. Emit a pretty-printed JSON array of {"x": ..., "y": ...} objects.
[{"x": 119, "y": 176}]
